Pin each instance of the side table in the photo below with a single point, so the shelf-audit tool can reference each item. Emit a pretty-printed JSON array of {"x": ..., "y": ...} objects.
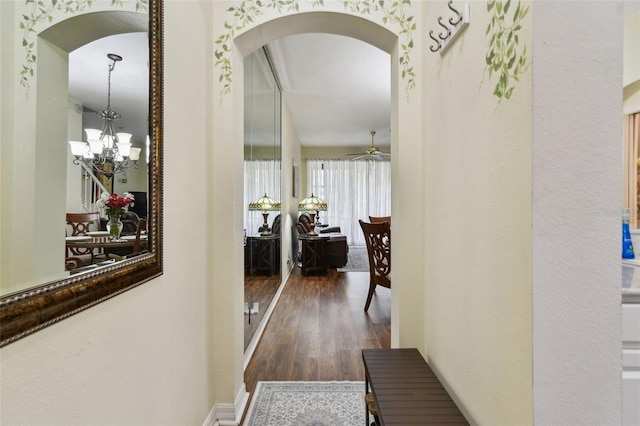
[
  {"x": 314, "y": 254},
  {"x": 262, "y": 254}
]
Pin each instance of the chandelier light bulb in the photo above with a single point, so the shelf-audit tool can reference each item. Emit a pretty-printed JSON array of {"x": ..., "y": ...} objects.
[
  {"x": 124, "y": 137},
  {"x": 78, "y": 148},
  {"x": 124, "y": 148},
  {"x": 93, "y": 134},
  {"x": 134, "y": 155}
]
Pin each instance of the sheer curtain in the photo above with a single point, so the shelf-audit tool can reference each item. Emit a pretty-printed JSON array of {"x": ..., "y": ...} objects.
[
  {"x": 353, "y": 190},
  {"x": 260, "y": 177}
]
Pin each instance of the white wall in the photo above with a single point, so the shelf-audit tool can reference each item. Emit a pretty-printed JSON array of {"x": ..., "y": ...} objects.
[
  {"x": 167, "y": 351},
  {"x": 631, "y": 71},
  {"x": 142, "y": 357},
  {"x": 290, "y": 153},
  {"x": 577, "y": 180},
  {"x": 477, "y": 227}
]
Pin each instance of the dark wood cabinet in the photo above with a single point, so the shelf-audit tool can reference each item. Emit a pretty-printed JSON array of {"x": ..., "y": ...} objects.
[
  {"x": 262, "y": 255},
  {"x": 314, "y": 254}
]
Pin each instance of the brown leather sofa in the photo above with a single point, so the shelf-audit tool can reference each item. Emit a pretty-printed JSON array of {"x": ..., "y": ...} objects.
[{"x": 337, "y": 247}]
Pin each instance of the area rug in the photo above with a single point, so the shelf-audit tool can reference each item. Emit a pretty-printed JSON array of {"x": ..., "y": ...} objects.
[
  {"x": 357, "y": 260},
  {"x": 307, "y": 404}
]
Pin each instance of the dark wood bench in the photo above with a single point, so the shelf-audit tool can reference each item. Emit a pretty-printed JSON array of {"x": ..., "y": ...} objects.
[{"x": 406, "y": 391}]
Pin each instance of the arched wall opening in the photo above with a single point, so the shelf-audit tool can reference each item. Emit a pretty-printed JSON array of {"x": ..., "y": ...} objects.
[{"x": 333, "y": 23}]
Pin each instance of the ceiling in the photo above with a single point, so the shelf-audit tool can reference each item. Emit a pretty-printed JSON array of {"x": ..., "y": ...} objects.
[
  {"x": 337, "y": 88},
  {"x": 88, "y": 82}
]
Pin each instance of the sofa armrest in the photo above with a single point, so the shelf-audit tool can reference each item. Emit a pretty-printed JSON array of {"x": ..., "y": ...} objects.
[{"x": 331, "y": 229}]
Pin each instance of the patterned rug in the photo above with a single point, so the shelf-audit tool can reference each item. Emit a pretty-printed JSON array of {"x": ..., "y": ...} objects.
[
  {"x": 357, "y": 260},
  {"x": 307, "y": 404}
]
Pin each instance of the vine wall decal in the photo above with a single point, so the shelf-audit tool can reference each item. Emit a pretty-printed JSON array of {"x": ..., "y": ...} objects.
[
  {"x": 393, "y": 13},
  {"x": 505, "y": 56},
  {"x": 41, "y": 11}
]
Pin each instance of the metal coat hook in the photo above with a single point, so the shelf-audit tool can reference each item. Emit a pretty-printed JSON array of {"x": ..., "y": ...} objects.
[
  {"x": 458, "y": 23},
  {"x": 445, "y": 35},
  {"x": 458, "y": 18},
  {"x": 437, "y": 46}
]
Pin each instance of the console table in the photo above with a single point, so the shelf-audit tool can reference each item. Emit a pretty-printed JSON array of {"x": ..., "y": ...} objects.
[
  {"x": 262, "y": 254},
  {"x": 314, "y": 254},
  {"x": 405, "y": 389}
]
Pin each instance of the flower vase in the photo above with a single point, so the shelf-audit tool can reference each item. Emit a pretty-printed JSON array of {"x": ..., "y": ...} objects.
[{"x": 114, "y": 226}]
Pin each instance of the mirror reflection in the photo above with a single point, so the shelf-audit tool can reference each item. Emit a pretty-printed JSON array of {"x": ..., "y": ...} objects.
[
  {"x": 262, "y": 190},
  {"x": 50, "y": 103},
  {"x": 108, "y": 104},
  {"x": 107, "y": 189}
]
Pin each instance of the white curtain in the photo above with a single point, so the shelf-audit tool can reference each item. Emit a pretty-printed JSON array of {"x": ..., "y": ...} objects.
[
  {"x": 353, "y": 190},
  {"x": 260, "y": 177}
]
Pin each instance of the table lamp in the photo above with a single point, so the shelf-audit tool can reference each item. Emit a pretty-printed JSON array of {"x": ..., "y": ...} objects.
[
  {"x": 313, "y": 205},
  {"x": 265, "y": 204}
]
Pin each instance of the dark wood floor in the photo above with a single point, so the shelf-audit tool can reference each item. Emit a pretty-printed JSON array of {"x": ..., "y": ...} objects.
[
  {"x": 318, "y": 329},
  {"x": 258, "y": 289}
]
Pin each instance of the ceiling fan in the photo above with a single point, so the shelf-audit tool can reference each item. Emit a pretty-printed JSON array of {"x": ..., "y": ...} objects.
[{"x": 372, "y": 152}]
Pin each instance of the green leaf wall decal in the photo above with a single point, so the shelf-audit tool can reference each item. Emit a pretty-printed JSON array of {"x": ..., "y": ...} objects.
[
  {"x": 393, "y": 14},
  {"x": 504, "y": 50},
  {"x": 42, "y": 11}
]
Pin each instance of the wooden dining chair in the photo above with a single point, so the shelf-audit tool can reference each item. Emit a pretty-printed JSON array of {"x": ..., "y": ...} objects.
[
  {"x": 378, "y": 219},
  {"x": 378, "y": 239},
  {"x": 140, "y": 244},
  {"x": 79, "y": 224}
]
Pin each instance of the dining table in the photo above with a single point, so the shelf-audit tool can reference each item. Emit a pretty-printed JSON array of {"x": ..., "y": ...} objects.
[{"x": 98, "y": 243}]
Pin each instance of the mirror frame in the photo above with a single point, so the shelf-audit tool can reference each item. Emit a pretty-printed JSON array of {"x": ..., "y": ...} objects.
[{"x": 35, "y": 308}]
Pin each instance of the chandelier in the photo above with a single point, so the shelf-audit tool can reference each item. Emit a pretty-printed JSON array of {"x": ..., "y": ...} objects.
[{"x": 106, "y": 151}]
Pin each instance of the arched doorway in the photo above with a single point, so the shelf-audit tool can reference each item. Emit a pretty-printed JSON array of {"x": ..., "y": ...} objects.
[{"x": 404, "y": 114}]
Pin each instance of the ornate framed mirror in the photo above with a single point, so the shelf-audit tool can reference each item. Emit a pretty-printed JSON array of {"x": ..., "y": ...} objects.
[{"x": 30, "y": 299}]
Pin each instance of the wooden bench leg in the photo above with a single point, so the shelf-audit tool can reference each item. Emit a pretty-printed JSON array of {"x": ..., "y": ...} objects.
[{"x": 371, "y": 408}]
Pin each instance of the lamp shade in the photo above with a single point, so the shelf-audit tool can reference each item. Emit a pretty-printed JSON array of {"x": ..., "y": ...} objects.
[
  {"x": 265, "y": 204},
  {"x": 93, "y": 134},
  {"x": 135, "y": 154},
  {"x": 79, "y": 148},
  {"x": 124, "y": 138},
  {"x": 312, "y": 204},
  {"x": 124, "y": 148}
]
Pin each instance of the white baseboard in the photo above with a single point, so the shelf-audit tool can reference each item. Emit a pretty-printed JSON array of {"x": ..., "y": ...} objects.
[
  {"x": 227, "y": 414},
  {"x": 242, "y": 399}
]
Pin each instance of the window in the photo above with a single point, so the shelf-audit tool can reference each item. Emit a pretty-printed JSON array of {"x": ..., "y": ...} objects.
[{"x": 353, "y": 190}]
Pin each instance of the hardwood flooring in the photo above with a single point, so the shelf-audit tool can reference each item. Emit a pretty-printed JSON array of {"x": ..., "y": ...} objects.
[
  {"x": 318, "y": 329},
  {"x": 260, "y": 290}
]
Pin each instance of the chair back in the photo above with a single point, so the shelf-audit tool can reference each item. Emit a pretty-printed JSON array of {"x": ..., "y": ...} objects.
[
  {"x": 142, "y": 226},
  {"x": 378, "y": 239},
  {"x": 378, "y": 219},
  {"x": 80, "y": 224}
]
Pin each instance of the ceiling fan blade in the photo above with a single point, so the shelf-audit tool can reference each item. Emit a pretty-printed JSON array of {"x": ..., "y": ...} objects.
[{"x": 359, "y": 156}]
